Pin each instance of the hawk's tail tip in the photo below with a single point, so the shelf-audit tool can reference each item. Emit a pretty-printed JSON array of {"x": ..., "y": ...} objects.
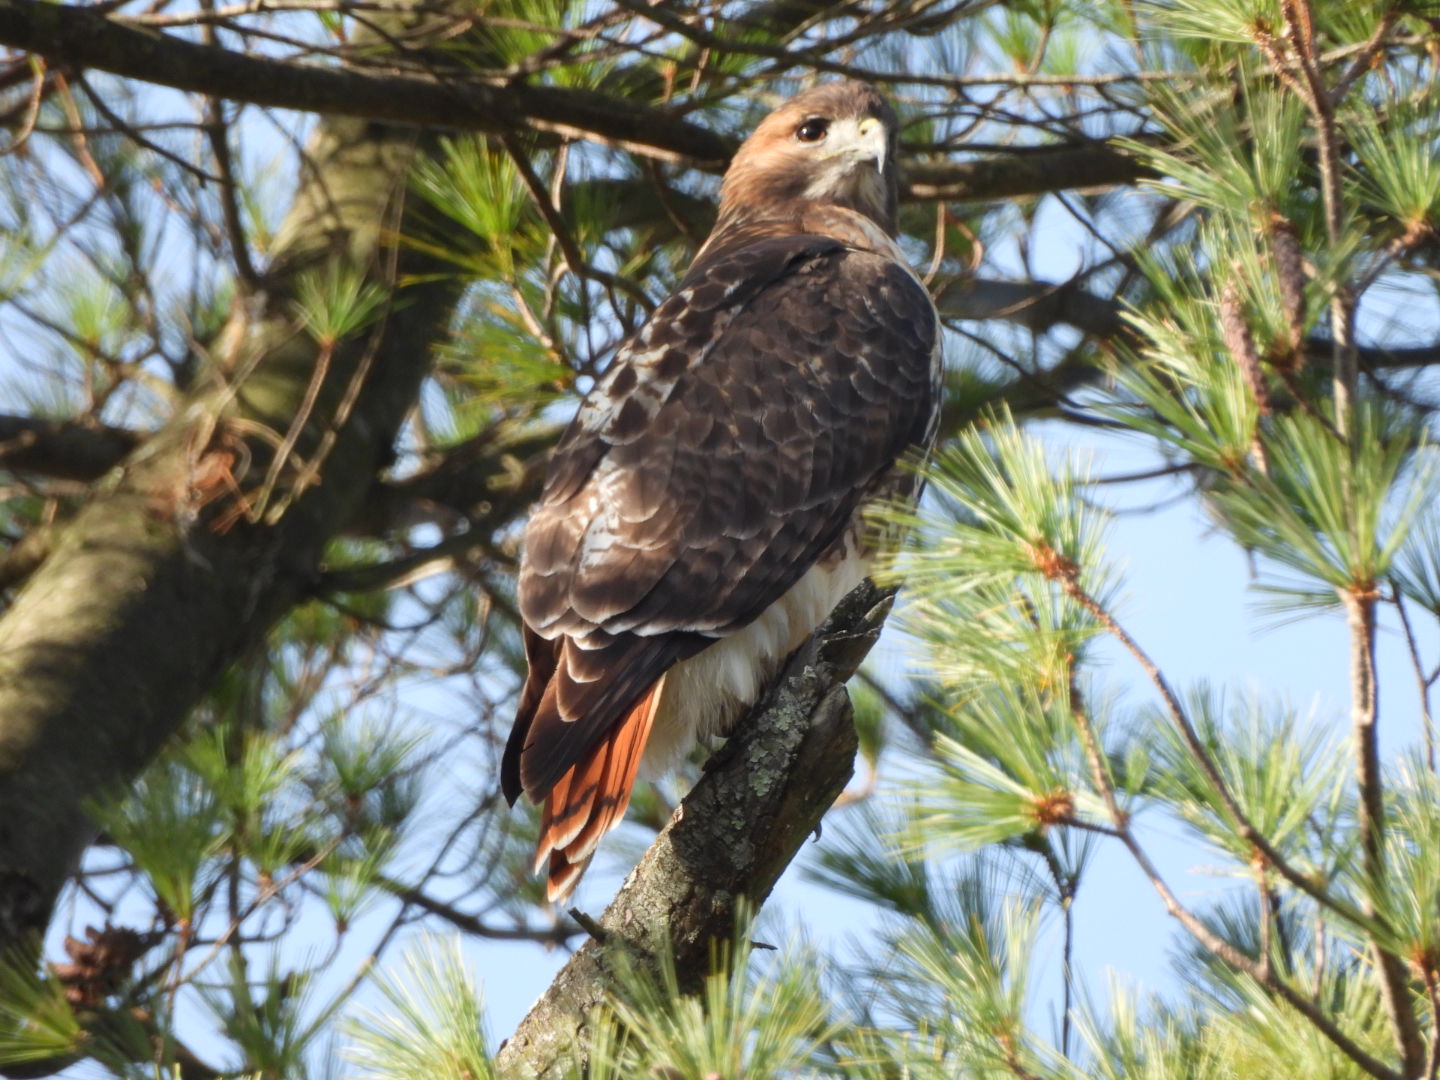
[{"x": 591, "y": 797}]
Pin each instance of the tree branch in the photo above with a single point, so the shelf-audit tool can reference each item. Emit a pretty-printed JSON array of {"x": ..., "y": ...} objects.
[
  {"x": 487, "y": 481},
  {"x": 1035, "y": 305},
  {"x": 82, "y": 37},
  {"x": 169, "y": 573},
  {"x": 559, "y": 934},
  {"x": 1044, "y": 305},
  {"x": 1024, "y": 171},
  {"x": 62, "y": 449},
  {"x": 760, "y": 797}
]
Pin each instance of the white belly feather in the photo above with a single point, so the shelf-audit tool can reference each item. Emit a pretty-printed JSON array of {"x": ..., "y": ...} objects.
[{"x": 705, "y": 695}]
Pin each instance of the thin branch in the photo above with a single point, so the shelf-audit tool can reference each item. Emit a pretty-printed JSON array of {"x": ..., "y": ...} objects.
[
  {"x": 32, "y": 109},
  {"x": 1094, "y": 756},
  {"x": 82, "y": 37},
  {"x": 1263, "y": 896},
  {"x": 1240, "y": 962},
  {"x": 1370, "y": 810},
  {"x": 169, "y": 20},
  {"x": 1069, "y": 578},
  {"x": 575, "y": 261},
  {"x": 1300, "y": 70},
  {"x": 1065, "y": 888},
  {"x": 1365, "y": 58},
  {"x": 1370, "y": 814},
  {"x": 1040, "y": 306},
  {"x": 559, "y": 934},
  {"x": 130, "y": 131},
  {"x": 397, "y": 573},
  {"x": 78, "y": 35},
  {"x": 485, "y": 481},
  {"x": 218, "y": 132},
  {"x": 817, "y": 60},
  {"x": 1260, "y": 971},
  {"x": 1422, "y": 684},
  {"x": 1157, "y": 473}
]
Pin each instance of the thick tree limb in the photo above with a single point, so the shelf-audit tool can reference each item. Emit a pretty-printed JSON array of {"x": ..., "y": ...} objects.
[
  {"x": 1026, "y": 171},
  {"x": 760, "y": 797},
  {"x": 63, "y": 449},
  {"x": 73, "y": 450},
  {"x": 1044, "y": 305},
  {"x": 83, "y": 37}
]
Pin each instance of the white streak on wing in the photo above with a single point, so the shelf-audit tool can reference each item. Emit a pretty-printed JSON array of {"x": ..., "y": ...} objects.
[
  {"x": 599, "y": 536},
  {"x": 708, "y": 693}
]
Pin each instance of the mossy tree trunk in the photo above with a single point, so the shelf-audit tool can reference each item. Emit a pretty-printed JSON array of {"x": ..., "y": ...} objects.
[{"x": 185, "y": 555}]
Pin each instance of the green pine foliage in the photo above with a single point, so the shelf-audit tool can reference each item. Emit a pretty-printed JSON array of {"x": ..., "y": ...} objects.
[
  {"x": 430, "y": 1023},
  {"x": 743, "y": 1023}
]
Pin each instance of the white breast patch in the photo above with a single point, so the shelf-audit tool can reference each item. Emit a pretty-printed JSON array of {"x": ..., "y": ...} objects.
[{"x": 705, "y": 695}]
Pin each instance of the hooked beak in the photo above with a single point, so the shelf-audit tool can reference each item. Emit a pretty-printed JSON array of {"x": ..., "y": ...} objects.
[{"x": 870, "y": 143}]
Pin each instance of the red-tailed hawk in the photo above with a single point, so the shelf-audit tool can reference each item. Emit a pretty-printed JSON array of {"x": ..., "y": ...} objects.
[{"x": 702, "y": 514}]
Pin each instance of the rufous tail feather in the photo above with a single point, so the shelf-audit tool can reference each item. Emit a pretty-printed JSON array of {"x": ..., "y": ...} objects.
[{"x": 591, "y": 798}]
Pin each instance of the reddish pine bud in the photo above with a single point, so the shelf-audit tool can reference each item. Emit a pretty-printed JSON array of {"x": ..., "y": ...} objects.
[
  {"x": 1290, "y": 276},
  {"x": 1241, "y": 343}
]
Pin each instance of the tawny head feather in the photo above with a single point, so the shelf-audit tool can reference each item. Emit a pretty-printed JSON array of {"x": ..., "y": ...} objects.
[{"x": 833, "y": 145}]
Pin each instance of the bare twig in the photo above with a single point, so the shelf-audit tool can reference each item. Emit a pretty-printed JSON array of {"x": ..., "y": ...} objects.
[
  {"x": 1263, "y": 895},
  {"x": 217, "y": 131},
  {"x": 559, "y": 934},
  {"x": 1260, "y": 971},
  {"x": 1240, "y": 962},
  {"x": 134, "y": 133},
  {"x": 32, "y": 108},
  {"x": 549, "y": 209},
  {"x": 1068, "y": 576},
  {"x": 1422, "y": 682}
]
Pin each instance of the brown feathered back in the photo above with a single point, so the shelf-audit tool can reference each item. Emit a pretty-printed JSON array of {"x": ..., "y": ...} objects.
[{"x": 728, "y": 449}]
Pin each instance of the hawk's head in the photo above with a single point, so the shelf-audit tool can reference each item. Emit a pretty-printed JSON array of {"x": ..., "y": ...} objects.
[{"x": 834, "y": 145}]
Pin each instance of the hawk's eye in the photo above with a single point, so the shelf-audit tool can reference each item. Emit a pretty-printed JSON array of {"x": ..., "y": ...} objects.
[{"x": 813, "y": 129}]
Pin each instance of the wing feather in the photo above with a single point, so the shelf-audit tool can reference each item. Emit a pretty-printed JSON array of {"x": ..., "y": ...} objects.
[{"x": 728, "y": 447}]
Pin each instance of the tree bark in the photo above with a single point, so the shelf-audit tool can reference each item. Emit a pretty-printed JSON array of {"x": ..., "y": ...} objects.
[
  {"x": 175, "y": 566},
  {"x": 728, "y": 842}
]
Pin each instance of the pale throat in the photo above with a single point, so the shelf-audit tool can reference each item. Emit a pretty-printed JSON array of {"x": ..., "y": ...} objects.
[{"x": 856, "y": 185}]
